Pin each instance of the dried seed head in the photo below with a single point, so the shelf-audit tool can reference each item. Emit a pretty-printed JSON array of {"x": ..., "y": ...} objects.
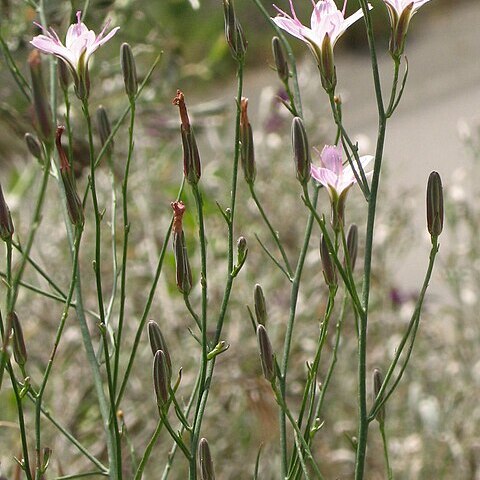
[
  {"x": 160, "y": 378},
  {"x": 352, "y": 245},
  {"x": 281, "y": 63},
  {"x": 182, "y": 265},
  {"x": 157, "y": 342},
  {"x": 434, "y": 204},
  {"x": 19, "y": 349},
  {"x": 247, "y": 152},
  {"x": 266, "y": 354},
  {"x": 6, "y": 224},
  {"x": 205, "y": 458},
  {"x": 301, "y": 151},
  {"x": 129, "y": 70},
  {"x": 377, "y": 385},
  {"x": 260, "y": 305},
  {"x": 192, "y": 168}
]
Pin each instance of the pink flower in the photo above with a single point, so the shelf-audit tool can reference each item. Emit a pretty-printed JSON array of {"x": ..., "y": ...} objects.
[
  {"x": 401, "y": 12},
  {"x": 326, "y": 19},
  {"x": 80, "y": 44},
  {"x": 328, "y": 24},
  {"x": 336, "y": 178}
]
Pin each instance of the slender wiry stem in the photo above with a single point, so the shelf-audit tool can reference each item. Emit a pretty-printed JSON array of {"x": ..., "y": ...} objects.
[{"x": 388, "y": 468}]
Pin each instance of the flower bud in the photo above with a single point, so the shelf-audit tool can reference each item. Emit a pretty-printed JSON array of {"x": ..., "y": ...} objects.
[
  {"x": 352, "y": 245},
  {"x": 104, "y": 130},
  {"x": 41, "y": 106},
  {"x": 233, "y": 32},
  {"x": 399, "y": 28},
  {"x": 33, "y": 146},
  {"x": 160, "y": 378},
  {"x": 434, "y": 204},
  {"x": 6, "y": 224},
  {"x": 266, "y": 354},
  {"x": 129, "y": 70},
  {"x": 327, "y": 65},
  {"x": 247, "y": 153},
  {"x": 19, "y": 349},
  {"x": 377, "y": 385},
  {"x": 242, "y": 250},
  {"x": 157, "y": 342},
  {"x": 329, "y": 270},
  {"x": 301, "y": 151},
  {"x": 260, "y": 305},
  {"x": 191, "y": 158},
  {"x": 182, "y": 265},
  {"x": 281, "y": 63},
  {"x": 74, "y": 204},
  {"x": 205, "y": 458},
  {"x": 64, "y": 77}
]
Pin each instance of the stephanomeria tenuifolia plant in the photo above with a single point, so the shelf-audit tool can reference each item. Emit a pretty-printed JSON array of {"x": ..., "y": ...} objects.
[{"x": 110, "y": 355}]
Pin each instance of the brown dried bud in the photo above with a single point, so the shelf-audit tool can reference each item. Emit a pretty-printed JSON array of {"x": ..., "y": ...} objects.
[
  {"x": 434, "y": 204},
  {"x": 104, "y": 129},
  {"x": 6, "y": 224},
  {"x": 182, "y": 265},
  {"x": 160, "y": 378},
  {"x": 41, "y": 106},
  {"x": 266, "y": 354},
  {"x": 19, "y": 349},
  {"x": 280, "y": 60},
  {"x": 33, "y": 146},
  {"x": 260, "y": 305},
  {"x": 301, "y": 151},
  {"x": 74, "y": 204},
  {"x": 205, "y": 458},
  {"x": 157, "y": 342},
  {"x": 192, "y": 168},
  {"x": 329, "y": 270},
  {"x": 129, "y": 70},
  {"x": 247, "y": 152}
]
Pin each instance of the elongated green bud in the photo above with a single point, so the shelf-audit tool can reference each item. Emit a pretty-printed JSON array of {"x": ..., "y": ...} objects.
[
  {"x": 160, "y": 378},
  {"x": 191, "y": 158},
  {"x": 6, "y": 224},
  {"x": 19, "y": 349},
  {"x": 260, "y": 305},
  {"x": 266, "y": 354},
  {"x": 329, "y": 270},
  {"x": 64, "y": 77},
  {"x": 41, "y": 106},
  {"x": 205, "y": 458},
  {"x": 182, "y": 265},
  {"x": 301, "y": 151},
  {"x": 157, "y": 342},
  {"x": 129, "y": 70},
  {"x": 327, "y": 65},
  {"x": 33, "y": 146},
  {"x": 281, "y": 63},
  {"x": 377, "y": 385},
  {"x": 434, "y": 204},
  {"x": 74, "y": 204},
  {"x": 233, "y": 31},
  {"x": 247, "y": 152},
  {"x": 352, "y": 245},
  {"x": 104, "y": 129}
]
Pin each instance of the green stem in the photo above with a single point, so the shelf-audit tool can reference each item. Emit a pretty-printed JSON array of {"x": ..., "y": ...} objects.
[
  {"x": 372, "y": 204},
  {"x": 117, "y": 458},
  {"x": 126, "y": 231},
  {"x": 38, "y": 402},
  {"x": 385, "y": 451},
  {"x": 274, "y": 233}
]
